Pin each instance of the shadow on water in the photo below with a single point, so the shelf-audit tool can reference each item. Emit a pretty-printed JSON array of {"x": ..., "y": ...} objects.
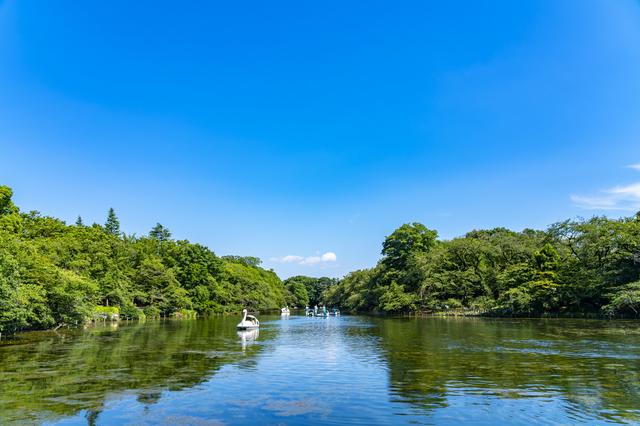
[
  {"x": 591, "y": 369},
  {"x": 46, "y": 375}
]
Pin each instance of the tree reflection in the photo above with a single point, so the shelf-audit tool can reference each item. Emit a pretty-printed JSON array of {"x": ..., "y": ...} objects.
[
  {"x": 47, "y": 376},
  {"x": 592, "y": 365}
]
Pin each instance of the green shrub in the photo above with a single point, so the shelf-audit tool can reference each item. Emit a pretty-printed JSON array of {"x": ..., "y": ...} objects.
[
  {"x": 516, "y": 301},
  {"x": 185, "y": 314},
  {"x": 151, "y": 312},
  {"x": 482, "y": 303},
  {"x": 452, "y": 304},
  {"x": 130, "y": 311},
  {"x": 625, "y": 301},
  {"x": 104, "y": 313},
  {"x": 395, "y": 299}
]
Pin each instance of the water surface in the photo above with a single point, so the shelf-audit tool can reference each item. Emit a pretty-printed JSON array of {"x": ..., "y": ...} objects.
[{"x": 346, "y": 370}]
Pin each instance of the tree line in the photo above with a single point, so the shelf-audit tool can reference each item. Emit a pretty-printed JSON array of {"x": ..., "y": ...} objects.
[
  {"x": 576, "y": 267},
  {"x": 54, "y": 274}
]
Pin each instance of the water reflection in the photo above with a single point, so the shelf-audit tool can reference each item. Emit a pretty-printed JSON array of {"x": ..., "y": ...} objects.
[
  {"x": 49, "y": 375},
  {"x": 248, "y": 337},
  {"x": 336, "y": 370},
  {"x": 587, "y": 369}
]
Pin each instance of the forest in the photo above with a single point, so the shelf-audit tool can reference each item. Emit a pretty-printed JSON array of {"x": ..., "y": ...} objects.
[
  {"x": 54, "y": 274},
  {"x": 574, "y": 268}
]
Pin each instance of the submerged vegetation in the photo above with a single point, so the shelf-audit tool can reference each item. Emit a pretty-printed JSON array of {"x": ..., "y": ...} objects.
[{"x": 577, "y": 268}]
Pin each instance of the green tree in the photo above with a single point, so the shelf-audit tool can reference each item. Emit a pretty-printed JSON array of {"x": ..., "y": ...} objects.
[
  {"x": 407, "y": 240},
  {"x": 52, "y": 273},
  {"x": 13, "y": 314},
  {"x": 625, "y": 300},
  {"x": 251, "y": 261},
  {"x": 112, "y": 225},
  {"x": 298, "y": 295},
  {"x": 315, "y": 287},
  {"x": 395, "y": 299},
  {"x": 353, "y": 293},
  {"x": 160, "y": 233},
  {"x": 6, "y": 205}
]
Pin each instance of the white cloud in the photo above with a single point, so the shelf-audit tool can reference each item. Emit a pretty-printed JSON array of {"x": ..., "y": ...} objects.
[
  {"x": 329, "y": 257},
  {"x": 600, "y": 202},
  {"x": 287, "y": 259},
  {"x": 309, "y": 260},
  {"x": 621, "y": 197}
]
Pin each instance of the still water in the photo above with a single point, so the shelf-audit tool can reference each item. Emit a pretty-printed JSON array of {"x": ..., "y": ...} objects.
[{"x": 345, "y": 370}]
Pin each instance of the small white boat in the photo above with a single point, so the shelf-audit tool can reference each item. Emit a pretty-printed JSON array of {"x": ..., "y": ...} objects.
[
  {"x": 285, "y": 311},
  {"x": 248, "y": 322}
]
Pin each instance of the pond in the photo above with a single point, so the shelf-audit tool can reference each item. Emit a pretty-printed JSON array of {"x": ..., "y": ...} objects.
[{"x": 337, "y": 370}]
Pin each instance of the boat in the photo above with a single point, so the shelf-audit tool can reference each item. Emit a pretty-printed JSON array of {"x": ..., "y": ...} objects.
[
  {"x": 285, "y": 311},
  {"x": 248, "y": 322}
]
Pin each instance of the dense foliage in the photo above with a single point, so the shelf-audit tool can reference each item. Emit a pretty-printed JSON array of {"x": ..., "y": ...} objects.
[
  {"x": 52, "y": 273},
  {"x": 307, "y": 291},
  {"x": 575, "y": 267}
]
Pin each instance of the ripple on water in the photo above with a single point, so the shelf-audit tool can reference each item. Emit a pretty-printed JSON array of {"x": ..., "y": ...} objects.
[{"x": 348, "y": 370}]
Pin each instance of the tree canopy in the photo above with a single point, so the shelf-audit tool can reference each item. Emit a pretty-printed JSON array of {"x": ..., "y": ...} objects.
[
  {"x": 580, "y": 267},
  {"x": 52, "y": 273},
  {"x": 160, "y": 233}
]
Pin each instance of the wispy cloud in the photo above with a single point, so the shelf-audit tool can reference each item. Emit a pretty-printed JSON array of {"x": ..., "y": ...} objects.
[
  {"x": 327, "y": 257},
  {"x": 621, "y": 197},
  {"x": 288, "y": 259}
]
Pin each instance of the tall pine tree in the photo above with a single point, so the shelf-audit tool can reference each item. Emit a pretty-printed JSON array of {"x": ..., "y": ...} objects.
[
  {"x": 79, "y": 221},
  {"x": 112, "y": 225},
  {"x": 160, "y": 233}
]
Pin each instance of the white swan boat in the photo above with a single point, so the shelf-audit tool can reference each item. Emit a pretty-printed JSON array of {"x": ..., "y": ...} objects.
[
  {"x": 248, "y": 321},
  {"x": 285, "y": 311}
]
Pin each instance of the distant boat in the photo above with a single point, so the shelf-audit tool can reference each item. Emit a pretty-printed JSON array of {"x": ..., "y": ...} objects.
[
  {"x": 285, "y": 311},
  {"x": 322, "y": 313},
  {"x": 248, "y": 322}
]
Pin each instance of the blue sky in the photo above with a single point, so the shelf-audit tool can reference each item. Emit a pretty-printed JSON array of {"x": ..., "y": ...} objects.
[{"x": 305, "y": 132}]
